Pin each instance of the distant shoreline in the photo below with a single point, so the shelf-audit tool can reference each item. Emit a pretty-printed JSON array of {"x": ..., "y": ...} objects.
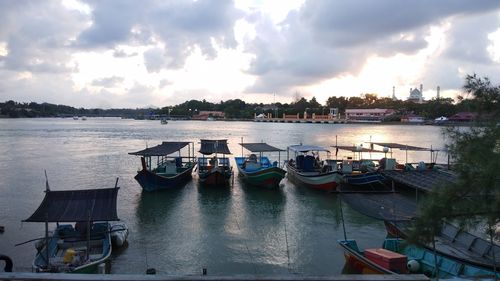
[{"x": 443, "y": 124}]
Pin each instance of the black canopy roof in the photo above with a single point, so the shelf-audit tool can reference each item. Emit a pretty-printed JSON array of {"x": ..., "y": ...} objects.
[
  {"x": 353, "y": 148},
  {"x": 75, "y": 205},
  {"x": 165, "y": 148},
  {"x": 214, "y": 146},
  {"x": 382, "y": 206},
  {"x": 402, "y": 146},
  {"x": 260, "y": 147}
]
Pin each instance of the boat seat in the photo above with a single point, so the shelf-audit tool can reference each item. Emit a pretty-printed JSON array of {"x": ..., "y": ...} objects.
[
  {"x": 224, "y": 162},
  {"x": 450, "y": 231},
  {"x": 308, "y": 164},
  {"x": 481, "y": 247},
  {"x": 252, "y": 166},
  {"x": 299, "y": 160},
  {"x": 63, "y": 244},
  {"x": 466, "y": 239}
]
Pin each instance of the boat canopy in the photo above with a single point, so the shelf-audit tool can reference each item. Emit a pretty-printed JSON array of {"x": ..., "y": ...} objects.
[
  {"x": 77, "y": 206},
  {"x": 356, "y": 148},
  {"x": 260, "y": 147},
  {"x": 390, "y": 207},
  {"x": 214, "y": 146},
  {"x": 165, "y": 148},
  {"x": 306, "y": 148},
  {"x": 402, "y": 146}
]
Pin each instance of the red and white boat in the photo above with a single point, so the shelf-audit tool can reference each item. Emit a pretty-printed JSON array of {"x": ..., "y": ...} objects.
[{"x": 305, "y": 168}]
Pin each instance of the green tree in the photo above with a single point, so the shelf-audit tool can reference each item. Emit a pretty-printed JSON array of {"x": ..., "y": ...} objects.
[{"x": 475, "y": 197}]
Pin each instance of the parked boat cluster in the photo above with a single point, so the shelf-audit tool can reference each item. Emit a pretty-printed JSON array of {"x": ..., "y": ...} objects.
[{"x": 362, "y": 183}]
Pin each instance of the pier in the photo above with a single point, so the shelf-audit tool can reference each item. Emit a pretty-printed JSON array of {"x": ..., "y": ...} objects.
[
  {"x": 130, "y": 277},
  {"x": 306, "y": 118}
]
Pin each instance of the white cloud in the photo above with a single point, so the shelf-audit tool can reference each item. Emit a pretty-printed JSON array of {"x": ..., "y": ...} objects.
[{"x": 129, "y": 53}]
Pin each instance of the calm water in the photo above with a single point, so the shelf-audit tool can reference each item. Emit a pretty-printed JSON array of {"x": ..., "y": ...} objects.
[{"x": 238, "y": 230}]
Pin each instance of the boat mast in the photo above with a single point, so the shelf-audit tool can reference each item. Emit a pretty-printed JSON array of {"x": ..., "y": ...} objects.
[{"x": 47, "y": 190}]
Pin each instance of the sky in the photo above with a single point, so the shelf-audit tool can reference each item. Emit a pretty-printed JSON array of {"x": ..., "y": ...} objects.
[{"x": 133, "y": 54}]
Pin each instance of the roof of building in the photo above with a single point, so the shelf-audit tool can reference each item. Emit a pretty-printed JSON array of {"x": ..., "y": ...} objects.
[
  {"x": 463, "y": 115},
  {"x": 369, "y": 110}
]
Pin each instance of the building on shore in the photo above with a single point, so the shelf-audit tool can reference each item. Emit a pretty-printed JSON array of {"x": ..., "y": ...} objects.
[
  {"x": 368, "y": 115},
  {"x": 463, "y": 117},
  {"x": 416, "y": 95},
  {"x": 412, "y": 118},
  {"x": 206, "y": 115}
]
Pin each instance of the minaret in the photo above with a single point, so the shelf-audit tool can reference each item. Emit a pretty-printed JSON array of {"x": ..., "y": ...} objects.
[
  {"x": 393, "y": 93},
  {"x": 438, "y": 89},
  {"x": 421, "y": 93}
]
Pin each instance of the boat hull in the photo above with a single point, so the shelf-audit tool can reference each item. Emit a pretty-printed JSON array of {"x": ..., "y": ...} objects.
[
  {"x": 447, "y": 267},
  {"x": 357, "y": 262},
  {"x": 267, "y": 177},
  {"x": 323, "y": 181},
  {"x": 363, "y": 178},
  {"x": 215, "y": 177},
  {"x": 150, "y": 181},
  {"x": 454, "y": 248},
  {"x": 56, "y": 248}
]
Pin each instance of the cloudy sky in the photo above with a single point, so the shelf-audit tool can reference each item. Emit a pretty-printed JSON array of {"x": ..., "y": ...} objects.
[{"x": 128, "y": 53}]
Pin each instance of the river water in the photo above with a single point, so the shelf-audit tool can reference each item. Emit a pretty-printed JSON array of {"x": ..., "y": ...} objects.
[{"x": 235, "y": 230}]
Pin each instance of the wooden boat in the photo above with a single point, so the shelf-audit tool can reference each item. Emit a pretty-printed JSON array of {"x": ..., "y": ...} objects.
[
  {"x": 307, "y": 169},
  {"x": 455, "y": 243},
  {"x": 80, "y": 247},
  {"x": 398, "y": 257},
  {"x": 258, "y": 170},
  {"x": 171, "y": 169},
  {"x": 358, "y": 170},
  {"x": 217, "y": 170},
  {"x": 363, "y": 178}
]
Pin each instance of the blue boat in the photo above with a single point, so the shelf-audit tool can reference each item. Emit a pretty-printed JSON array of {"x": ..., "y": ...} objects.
[
  {"x": 171, "y": 169},
  {"x": 418, "y": 260},
  {"x": 80, "y": 247},
  {"x": 455, "y": 243},
  {"x": 258, "y": 170},
  {"x": 363, "y": 178}
]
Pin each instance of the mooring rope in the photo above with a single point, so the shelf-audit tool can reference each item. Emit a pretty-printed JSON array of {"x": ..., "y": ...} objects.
[{"x": 246, "y": 246}]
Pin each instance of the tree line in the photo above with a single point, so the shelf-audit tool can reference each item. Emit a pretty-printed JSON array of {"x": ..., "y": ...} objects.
[{"x": 239, "y": 109}]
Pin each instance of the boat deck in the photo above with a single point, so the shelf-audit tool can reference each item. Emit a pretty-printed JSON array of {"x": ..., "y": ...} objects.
[{"x": 425, "y": 180}]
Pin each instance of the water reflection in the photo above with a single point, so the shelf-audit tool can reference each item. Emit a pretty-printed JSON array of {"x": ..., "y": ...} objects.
[{"x": 237, "y": 230}]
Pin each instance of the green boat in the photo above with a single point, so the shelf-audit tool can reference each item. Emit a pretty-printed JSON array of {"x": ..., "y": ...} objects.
[
  {"x": 418, "y": 261},
  {"x": 82, "y": 242},
  {"x": 258, "y": 170}
]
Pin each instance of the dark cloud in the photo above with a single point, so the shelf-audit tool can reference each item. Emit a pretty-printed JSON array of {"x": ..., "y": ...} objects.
[
  {"x": 327, "y": 38},
  {"x": 154, "y": 59},
  {"x": 112, "y": 23},
  {"x": 108, "y": 82},
  {"x": 321, "y": 40},
  {"x": 178, "y": 25},
  {"x": 466, "y": 52},
  {"x": 36, "y": 40}
]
